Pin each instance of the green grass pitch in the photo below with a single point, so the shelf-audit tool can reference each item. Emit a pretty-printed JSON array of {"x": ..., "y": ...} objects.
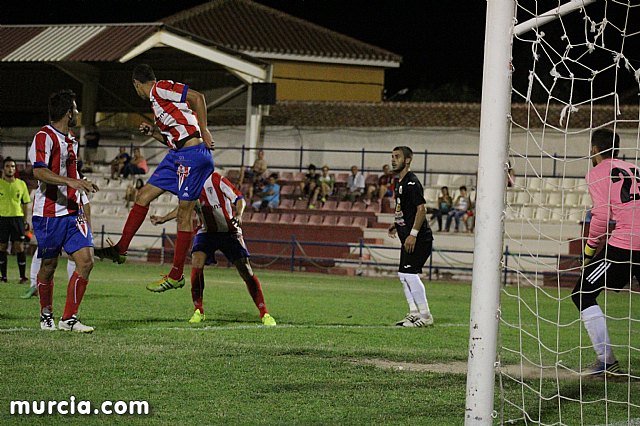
[{"x": 318, "y": 366}]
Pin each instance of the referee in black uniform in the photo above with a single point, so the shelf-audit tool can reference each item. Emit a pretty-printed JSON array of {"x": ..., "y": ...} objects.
[{"x": 415, "y": 235}]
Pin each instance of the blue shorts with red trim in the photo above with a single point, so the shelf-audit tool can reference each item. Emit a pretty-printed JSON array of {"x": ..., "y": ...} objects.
[
  {"x": 184, "y": 172},
  {"x": 55, "y": 233},
  {"x": 231, "y": 245}
]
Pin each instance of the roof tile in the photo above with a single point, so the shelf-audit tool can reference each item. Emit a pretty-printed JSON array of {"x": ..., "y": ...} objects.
[{"x": 251, "y": 27}]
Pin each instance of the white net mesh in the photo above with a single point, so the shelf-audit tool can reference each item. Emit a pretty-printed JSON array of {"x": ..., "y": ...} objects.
[{"x": 575, "y": 74}]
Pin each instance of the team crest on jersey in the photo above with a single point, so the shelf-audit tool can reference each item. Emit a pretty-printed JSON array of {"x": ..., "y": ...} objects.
[
  {"x": 400, "y": 190},
  {"x": 82, "y": 226},
  {"x": 183, "y": 172}
]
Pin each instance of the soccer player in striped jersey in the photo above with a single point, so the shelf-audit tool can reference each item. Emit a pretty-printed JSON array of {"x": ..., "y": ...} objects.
[
  {"x": 220, "y": 230},
  {"x": 614, "y": 186},
  {"x": 181, "y": 124},
  {"x": 58, "y": 218}
]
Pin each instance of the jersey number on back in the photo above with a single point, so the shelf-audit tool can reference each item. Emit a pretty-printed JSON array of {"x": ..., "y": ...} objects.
[{"x": 625, "y": 191}]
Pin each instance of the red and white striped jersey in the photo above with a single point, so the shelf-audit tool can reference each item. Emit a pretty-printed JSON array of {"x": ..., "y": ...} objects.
[
  {"x": 57, "y": 152},
  {"x": 173, "y": 116},
  {"x": 215, "y": 205}
]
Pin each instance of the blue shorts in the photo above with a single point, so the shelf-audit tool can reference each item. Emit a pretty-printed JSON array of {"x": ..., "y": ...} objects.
[
  {"x": 184, "y": 172},
  {"x": 231, "y": 245},
  {"x": 55, "y": 233}
]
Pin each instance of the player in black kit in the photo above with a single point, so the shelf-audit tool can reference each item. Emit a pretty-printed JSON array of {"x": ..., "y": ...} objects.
[{"x": 415, "y": 235}]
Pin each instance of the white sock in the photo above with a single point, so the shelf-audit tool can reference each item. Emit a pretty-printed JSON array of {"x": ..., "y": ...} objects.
[
  {"x": 418, "y": 293},
  {"x": 413, "y": 308},
  {"x": 35, "y": 267},
  {"x": 596, "y": 325},
  {"x": 71, "y": 267}
]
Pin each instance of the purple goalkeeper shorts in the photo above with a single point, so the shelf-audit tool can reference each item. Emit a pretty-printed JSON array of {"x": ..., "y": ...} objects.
[
  {"x": 231, "y": 245},
  {"x": 184, "y": 172},
  {"x": 55, "y": 233}
]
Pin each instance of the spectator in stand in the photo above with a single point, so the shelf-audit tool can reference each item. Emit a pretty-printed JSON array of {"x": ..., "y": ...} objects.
[
  {"x": 326, "y": 182},
  {"x": 309, "y": 185},
  {"x": 460, "y": 208},
  {"x": 355, "y": 185},
  {"x": 444, "y": 206},
  {"x": 382, "y": 188},
  {"x": 92, "y": 140},
  {"x": 270, "y": 195},
  {"x": 469, "y": 217},
  {"x": 119, "y": 162},
  {"x": 132, "y": 191},
  {"x": 137, "y": 165},
  {"x": 256, "y": 175}
]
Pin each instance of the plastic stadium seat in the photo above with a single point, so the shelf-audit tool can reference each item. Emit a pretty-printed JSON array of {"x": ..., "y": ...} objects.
[
  {"x": 330, "y": 220},
  {"x": 585, "y": 200},
  {"x": 443, "y": 180},
  {"x": 257, "y": 217},
  {"x": 359, "y": 206},
  {"x": 286, "y": 218},
  {"x": 360, "y": 222},
  {"x": 520, "y": 182},
  {"x": 431, "y": 195},
  {"x": 344, "y": 206},
  {"x": 301, "y": 219},
  {"x": 272, "y": 218},
  {"x": 542, "y": 213},
  {"x": 555, "y": 198},
  {"x": 287, "y": 191},
  {"x": 527, "y": 212},
  {"x": 341, "y": 179},
  {"x": 534, "y": 183},
  {"x": 457, "y": 180},
  {"x": 374, "y": 207},
  {"x": 286, "y": 203},
  {"x": 551, "y": 184},
  {"x": 110, "y": 196},
  {"x": 345, "y": 221},
  {"x": 568, "y": 184},
  {"x": 298, "y": 177},
  {"x": 285, "y": 177},
  {"x": 576, "y": 215},
  {"x": 330, "y": 205},
  {"x": 557, "y": 215},
  {"x": 522, "y": 197},
  {"x": 538, "y": 198},
  {"x": 572, "y": 199},
  {"x": 247, "y": 216},
  {"x": 300, "y": 205},
  {"x": 315, "y": 219}
]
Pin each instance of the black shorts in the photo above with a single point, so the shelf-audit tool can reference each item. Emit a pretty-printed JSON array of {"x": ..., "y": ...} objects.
[
  {"x": 612, "y": 267},
  {"x": 412, "y": 263},
  {"x": 11, "y": 228}
]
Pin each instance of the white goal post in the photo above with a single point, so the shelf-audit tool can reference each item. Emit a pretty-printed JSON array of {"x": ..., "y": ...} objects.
[{"x": 495, "y": 128}]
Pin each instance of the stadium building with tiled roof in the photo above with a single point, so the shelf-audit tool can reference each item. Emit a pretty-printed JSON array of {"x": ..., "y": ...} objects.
[{"x": 309, "y": 62}]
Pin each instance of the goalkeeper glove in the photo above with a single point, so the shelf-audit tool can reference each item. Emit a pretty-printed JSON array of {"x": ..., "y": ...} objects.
[{"x": 589, "y": 252}]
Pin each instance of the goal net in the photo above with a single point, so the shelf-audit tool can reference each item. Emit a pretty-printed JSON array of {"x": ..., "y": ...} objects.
[{"x": 574, "y": 69}]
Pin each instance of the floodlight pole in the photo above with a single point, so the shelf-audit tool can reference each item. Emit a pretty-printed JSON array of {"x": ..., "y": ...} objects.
[{"x": 494, "y": 135}]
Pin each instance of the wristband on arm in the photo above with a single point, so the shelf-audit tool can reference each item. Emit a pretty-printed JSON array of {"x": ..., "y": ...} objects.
[{"x": 589, "y": 252}]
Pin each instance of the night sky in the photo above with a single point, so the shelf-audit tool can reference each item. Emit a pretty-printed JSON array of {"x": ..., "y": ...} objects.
[{"x": 441, "y": 42}]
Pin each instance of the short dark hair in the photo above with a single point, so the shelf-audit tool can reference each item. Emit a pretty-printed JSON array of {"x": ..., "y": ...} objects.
[
  {"x": 607, "y": 141},
  {"x": 406, "y": 151},
  {"x": 312, "y": 166},
  {"x": 143, "y": 73},
  {"x": 463, "y": 187},
  {"x": 60, "y": 103},
  {"x": 6, "y": 160}
]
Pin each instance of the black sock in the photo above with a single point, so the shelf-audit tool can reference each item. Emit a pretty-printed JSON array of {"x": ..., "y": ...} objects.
[
  {"x": 3, "y": 264},
  {"x": 22, "y": 263}
]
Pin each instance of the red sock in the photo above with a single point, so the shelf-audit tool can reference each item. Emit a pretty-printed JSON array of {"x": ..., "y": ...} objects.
[
  {"x": 45, "y": 290},
  {"x": 183, "y": 244},
  {"x": 255, "y": 290},
  {"x": 75, "y": 291},
  {"x": 197, "y": 287},
  {"x": 135, "y": 219}
]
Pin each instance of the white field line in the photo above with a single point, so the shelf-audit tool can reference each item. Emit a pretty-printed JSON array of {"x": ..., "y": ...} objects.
[{"x": 245, "y": 327}]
